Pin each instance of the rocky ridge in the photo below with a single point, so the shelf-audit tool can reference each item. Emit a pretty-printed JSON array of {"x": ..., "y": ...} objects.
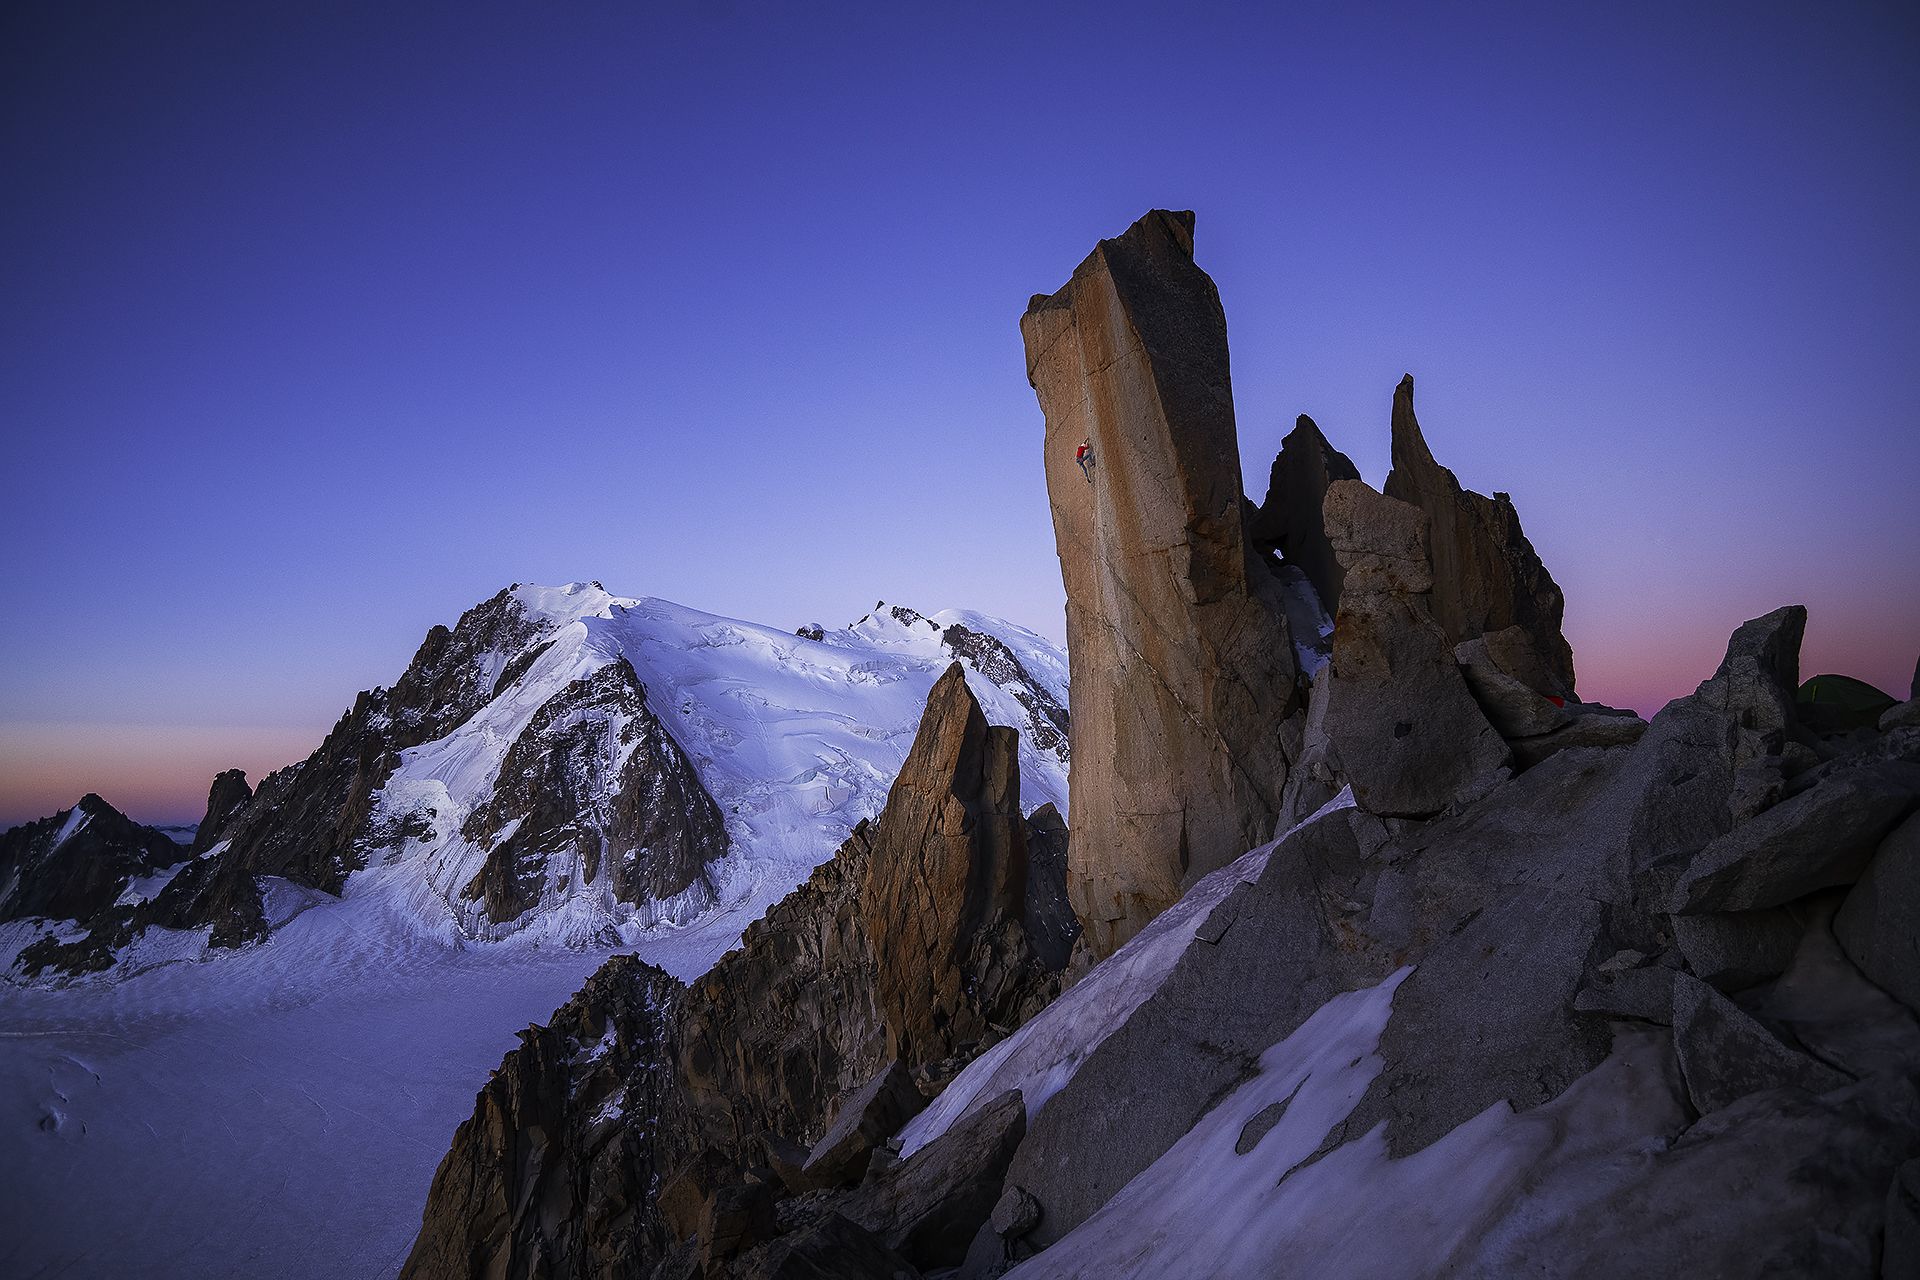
[
  {"x": 1519, "y": 985},
  {"x": 565, "y": 765},
  {"x": 90, "y": 862},
  {"x": 774, "y": 1077}
]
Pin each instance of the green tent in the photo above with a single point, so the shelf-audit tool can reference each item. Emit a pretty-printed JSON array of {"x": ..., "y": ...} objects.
[{"x": 1841, "y": 704}]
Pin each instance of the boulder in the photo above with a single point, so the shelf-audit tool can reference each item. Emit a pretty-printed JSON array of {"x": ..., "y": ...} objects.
[
  {"x": 1879, "y": 923},
  {"x": 1758, "y": 681},
  {"x": 1901, "y": 715},
  {"x": 1704, "y": 763},
  {"x": 1486, "y": 574},
  {"x": 1290, "y": 521},
  {"x": 1725, "y": 1054},
  {"x": 1817, "y": 839},
  {"x": 1731, "y": 950},
  {"x": 1628, "y": 989},
  {"x": 1015, "y": 1214},
  {"x": 998, "y": 1245},
  {"x": 873, "y": 1112},
  {"x": 930, "y": 1206},
  {"x": 1514, "y": 707},
  {"x": 1591, "y": 725},
  {"x": 1182, "y": 662},
  {"x": 1400, "y": 721}
]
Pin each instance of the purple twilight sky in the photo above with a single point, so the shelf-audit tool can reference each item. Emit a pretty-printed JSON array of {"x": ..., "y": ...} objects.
[{"x": 323, "y": 322}]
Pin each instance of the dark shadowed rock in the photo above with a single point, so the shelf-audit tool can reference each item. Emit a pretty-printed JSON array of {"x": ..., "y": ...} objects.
[
  {"x": 553, "y": 1174},
  {"x": 1590, "y": 726},
  {"x": 1879, "y": 924},
  {"x": 874, "y": 1111},
  {"x": 226, "y": 797},
  {"x": 1635, "y": 989},
  {"x": 1815, "y": 840},
  {"x": 1735, "y": 949},
  {"x": 85, "y": 864},
  {"x": 1726, "y": 1055},
  {"x": 1901, "y": 1253},
  {"x": 1705, "y": 763},
  {"x": 1902, "y": 715},
  {"x": 785, "y": 1026},
  {"x": 831, "y": 1248},
  {"x": 1486, "y": 574},
  {"x": 1290, "y": 522},
  {"x": 1402, "y": 726},
  {"x": 1015, "y": 1213},
  {"x": 74, "y": 865},
  {"x": 1757, "y": 682},
  {"x": 596, "y": 782},
  {"x": 1182, "y": 662},
  {"x": 930, "y": 1206},
  {"x": 1512, "y": 703},
  {"x": 1052, "y": 928},
  {"x": 736, "y": 1219}
]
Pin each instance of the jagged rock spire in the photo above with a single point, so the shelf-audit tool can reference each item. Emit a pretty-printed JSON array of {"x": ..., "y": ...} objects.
[
  {"x": 1486, "y": 574},
  {"x": 226, "y": 797},
  {"x": 1182, "y": 668},
  {"x": 1290, "y": 519},
  {"x": 946, "y": 882}
]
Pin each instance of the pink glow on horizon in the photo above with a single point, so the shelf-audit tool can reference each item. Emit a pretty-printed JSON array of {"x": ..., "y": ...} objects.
[{"x": 154, "y": 774}]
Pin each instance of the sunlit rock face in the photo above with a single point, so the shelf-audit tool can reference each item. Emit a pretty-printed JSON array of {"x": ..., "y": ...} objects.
[{"x": 1182, "y": 665}]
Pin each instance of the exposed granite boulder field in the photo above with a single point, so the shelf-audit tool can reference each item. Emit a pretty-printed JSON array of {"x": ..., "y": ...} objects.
[{"x": 1519, "y": 964}]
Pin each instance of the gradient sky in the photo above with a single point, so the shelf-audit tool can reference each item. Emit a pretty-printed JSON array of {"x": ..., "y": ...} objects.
[{"x": 319, "y": 323}]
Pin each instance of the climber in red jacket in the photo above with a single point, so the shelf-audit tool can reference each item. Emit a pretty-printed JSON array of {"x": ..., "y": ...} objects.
[{"x": 1083, "y": 458}]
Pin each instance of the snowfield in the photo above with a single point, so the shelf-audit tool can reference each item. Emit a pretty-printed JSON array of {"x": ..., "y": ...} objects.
[
  {"x": 796, "y": 739},
  {"x": 280, "y": 1110},
  {"x": 277, "y": 1111}
]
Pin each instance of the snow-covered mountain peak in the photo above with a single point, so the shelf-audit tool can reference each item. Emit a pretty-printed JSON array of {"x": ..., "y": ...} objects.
[{"x": 567, "y": 765}]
